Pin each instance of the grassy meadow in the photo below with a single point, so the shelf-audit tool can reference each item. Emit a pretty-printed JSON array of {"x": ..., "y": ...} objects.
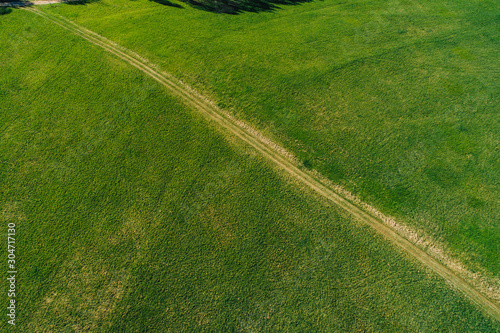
[
  {"x": 134, "y": 214},
  {"x": 397, "y": 101}
]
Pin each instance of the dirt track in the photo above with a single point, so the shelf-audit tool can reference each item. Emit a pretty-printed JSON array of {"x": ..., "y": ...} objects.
[
  {"x": 277, "y": 155},
  {"x": 33, "y": 3}
]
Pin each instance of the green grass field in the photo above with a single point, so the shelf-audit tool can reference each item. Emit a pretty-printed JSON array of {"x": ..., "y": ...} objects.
[
  {"x": 397, "y": 101},
  {"x": 134, "y": 214}
]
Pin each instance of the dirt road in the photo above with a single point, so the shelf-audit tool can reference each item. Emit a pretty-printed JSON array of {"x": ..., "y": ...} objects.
[
  {"x": 33, "y": 3},
  {"x": 279, "y": 157}
]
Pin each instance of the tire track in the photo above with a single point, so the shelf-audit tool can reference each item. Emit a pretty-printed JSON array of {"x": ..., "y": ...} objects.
[{"x": 279, "y": 157}]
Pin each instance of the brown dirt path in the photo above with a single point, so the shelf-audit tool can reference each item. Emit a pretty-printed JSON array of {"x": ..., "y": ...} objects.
[
  {"x": 33, "y": 3},
  {"x": 280, "y": 158}
]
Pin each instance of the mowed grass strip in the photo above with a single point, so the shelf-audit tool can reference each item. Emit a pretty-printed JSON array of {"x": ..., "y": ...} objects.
[
  {"x": 396, "y": 101},
  {"x": 134, "y": 215}
]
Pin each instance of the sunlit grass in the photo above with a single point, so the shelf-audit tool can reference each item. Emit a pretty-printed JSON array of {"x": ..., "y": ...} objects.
[
  {"x": 134, "y": 214},
  {"x": 395, "y": 100}
]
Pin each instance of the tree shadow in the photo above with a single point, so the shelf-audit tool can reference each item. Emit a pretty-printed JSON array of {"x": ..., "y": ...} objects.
[
  {"x": 5, "y": 10},
  {"x": 239, "y": 6},
  {"x": 79, "y": 2},
  {"x": 167, "y": 3}
]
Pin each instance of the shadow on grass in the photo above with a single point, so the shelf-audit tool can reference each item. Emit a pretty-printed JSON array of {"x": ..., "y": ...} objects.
[
  {"x": 239, "y": 6},
  {"x": 79, "y": 2},
  {"x": 5, "y": 10},
  {"x": 167, "y": 3}
]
